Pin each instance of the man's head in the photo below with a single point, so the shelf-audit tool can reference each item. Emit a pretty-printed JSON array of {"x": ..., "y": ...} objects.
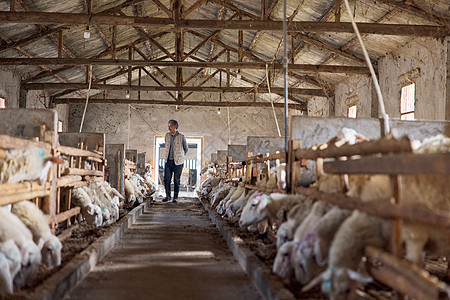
[{"x": 173, "y": 126}]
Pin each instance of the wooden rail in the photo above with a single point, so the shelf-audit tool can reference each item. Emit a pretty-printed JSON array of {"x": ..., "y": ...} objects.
[
  {"x": 383, "y": 145},
  {"x": 383, "y": 208},
  {"x": 405, "y": 163},
  {"x": 263, "y": 189},
  {"x": 9, "y": 142},
  {"x": 404, "y": 276},
  {"x": 71, "y": 151}
]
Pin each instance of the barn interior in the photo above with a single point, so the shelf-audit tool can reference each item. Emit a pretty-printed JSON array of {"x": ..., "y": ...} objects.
[{"x": 317, "y": 156}]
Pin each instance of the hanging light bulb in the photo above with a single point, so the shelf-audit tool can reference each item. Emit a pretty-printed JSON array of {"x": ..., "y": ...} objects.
[
  {"x": 127, "y": 95},
  {"x": 87, "y": 33},
  {"x": 218, "y": 111},
  {"x": 177, "y": 108}
]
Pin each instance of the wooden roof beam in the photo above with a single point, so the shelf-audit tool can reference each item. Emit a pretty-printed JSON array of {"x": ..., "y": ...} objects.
[
  {"x": 199, "y": 88},
  {"x": 184, "y": 103},
  {"x": 294, "y": 26},
  {"x": 188, "y": 64},
  {"x": 426, "y": 15},
  {"x": 155, "y": 67},
  {"x": 102, "y": 54}
]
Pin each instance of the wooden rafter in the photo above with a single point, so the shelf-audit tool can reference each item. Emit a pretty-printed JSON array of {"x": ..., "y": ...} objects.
[
  {"x": 188, "y": 64},
  {"x": 157, "y": 69},
  {"x": 104, "y": 53},
  {"x": 199, "y": 88},
  {"x": 163, "y": 8},
  {"x": 353, "y": 41},
  {"x": 158, "y": 82},
  {"x": 201, "y": 69},
  {"x": 192, "y": 8},
  {"x": 295, "y": 26},
  {"x": 426, "y": 15},
  {"x": 185, "y": 103},
  {"x": 32, "y": 38},
  {"x": 140, "y": 12}
]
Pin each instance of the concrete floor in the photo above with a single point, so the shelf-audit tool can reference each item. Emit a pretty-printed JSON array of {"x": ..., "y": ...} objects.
[{"x": 173, "y": 251}]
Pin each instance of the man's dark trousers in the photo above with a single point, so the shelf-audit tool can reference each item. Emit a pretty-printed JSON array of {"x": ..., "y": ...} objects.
[{"x": 171, "y": 168}]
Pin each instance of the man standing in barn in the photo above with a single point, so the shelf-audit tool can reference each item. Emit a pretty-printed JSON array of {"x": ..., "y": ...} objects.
[{"x": 176, "y": 149}]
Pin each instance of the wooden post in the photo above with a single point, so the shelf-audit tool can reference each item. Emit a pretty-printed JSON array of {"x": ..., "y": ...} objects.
[
  {"x": 60, "y": 44},
  {"x": 228, "y": 70},
  {"x": 139, "y": 83},
  {"x": 292, "y": 147},
  {"x": 113, "y": 42},
  {"x": 130, "y": 57},
  {"x": 12, "y": 6},
  {"x": 337, "y": 13},
  {"x": 118, "y": 168},
  {"x": 396, "y": 233},
  {"x": 292, "y": 48},
  {"x": 248, "y": 170}
]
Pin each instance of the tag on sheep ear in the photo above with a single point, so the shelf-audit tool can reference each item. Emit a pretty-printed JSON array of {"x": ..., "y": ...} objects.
[{"x": 359, "y": 277}]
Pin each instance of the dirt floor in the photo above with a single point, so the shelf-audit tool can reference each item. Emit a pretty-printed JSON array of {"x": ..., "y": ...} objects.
[{"x": 173, "y": 251}]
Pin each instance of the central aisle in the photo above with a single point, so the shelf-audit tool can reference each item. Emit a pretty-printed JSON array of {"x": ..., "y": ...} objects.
[{"x": 173, "y": 251}]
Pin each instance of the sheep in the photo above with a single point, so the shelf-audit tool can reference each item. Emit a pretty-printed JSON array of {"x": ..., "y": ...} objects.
[
  {"x": 91, "y": 213},
  {"x": 10, "y": 262},
  {"x": 26, "y": 164},
  {"x": 356, "y": 232},
  {"x": 316, "y": 242},
  {"x": 36, "y": 222},
  {"x": 261, "y": 206},
  {"x": 220, "y": 206},
  {"x": 295, "y": 217},
  {"x": 235, "y": 196},
  {"x": 12, "y": 228},
  {"x": 235, "y": 207},
  {"x": 106, "y": 213},
  {"x": 282, "y": 263},
  {"x": 220, "y": 194}
]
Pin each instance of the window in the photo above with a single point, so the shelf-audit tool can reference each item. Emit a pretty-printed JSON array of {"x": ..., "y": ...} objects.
[
  {"x": 351, "y": 111},
  {"x": 2, "y": 103},
  {"x": 60, "y": 126},
  {"x": 407, "y": 102}
]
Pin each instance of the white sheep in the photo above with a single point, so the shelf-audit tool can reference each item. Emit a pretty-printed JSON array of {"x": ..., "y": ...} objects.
[
  {"x": 36, "y": 222},
  {"x": 220, "y": 194},
  {"x": 282, "y": 263},
  {"x": 26, "y": 164},
  {"x": 295, "y": 217},
  {"x": 10, "y": 262},
  {"x": 106, "y": 212},
  {"x": 316, "y": 244},
  {"x": 220, "y": 207},
  {"x": 357, "y": 231},
  {"x": 236, "y": 207},
  {"x": 260, "y": 206},
  {"x": 12, "y": 228},
  {"x": 91, "y": 213}
]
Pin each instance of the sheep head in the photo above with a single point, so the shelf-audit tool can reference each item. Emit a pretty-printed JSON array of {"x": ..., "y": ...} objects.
[
  {"x": 285, "y": 233},
  {"x": 51, "y": 251},
  {"x": 255, "y": 210},
  {"x": 282, "y": 264}
]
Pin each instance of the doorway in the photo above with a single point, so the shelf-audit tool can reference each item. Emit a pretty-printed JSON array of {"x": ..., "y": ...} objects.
[{"x": 192, "y": 167}]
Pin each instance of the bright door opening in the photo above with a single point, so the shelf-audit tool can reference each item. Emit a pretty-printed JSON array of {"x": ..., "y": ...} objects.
[{"x": 190, "y": 177}]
